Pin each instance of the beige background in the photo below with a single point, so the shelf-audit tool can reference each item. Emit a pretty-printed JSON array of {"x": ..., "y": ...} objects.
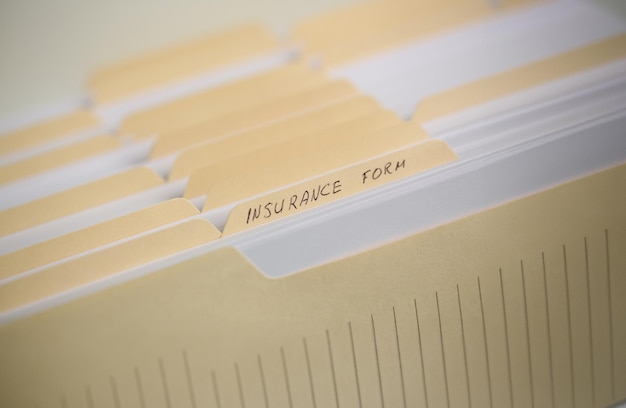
[{"x": 48, "y": 48}]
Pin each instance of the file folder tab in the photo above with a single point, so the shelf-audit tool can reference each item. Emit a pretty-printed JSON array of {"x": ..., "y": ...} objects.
[
  {"x": 337, "y": 185},
  {"x": 105, "y": 263},
  {"x": 47, "y": 131},
  {"x": 77, "y": 199},
  {"x": 247, "y": 118},
  {"x": 212, "y": 103},
  {"x": 522, "y": 78},
  {"x": 206, "y": 176},
  {"x": 347, "y": 151},
  {"x": 93, "y": 237},
  {"x": 180, "y": 62},
  {"x": 57, "y": 158},
  {"x": 277, "y": 132}
]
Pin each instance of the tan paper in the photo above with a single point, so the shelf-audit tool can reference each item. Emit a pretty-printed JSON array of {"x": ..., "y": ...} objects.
[
  {"x": 522, "y": 78},
  {"x": 355, "y": 22},
  {"x": 47, "y": 131},
  {"x": 105, "y": 263},
  {"x": 347, "y": 151},
  {"x": 206, "y": 176},
  {"x": 247, "y": 118},
  {"x": 58, "y": 158},
  {"x": 276, "y": 132},
  {"x": 520, "y": 305},
  {"x": 95, "y": 236},
  {"x": 418, "y": 26},
  {"x": 337, "y": 185},
  {"x": 360, "y": 30},
  {"x": 77, "y": 199},
  {"x": 180, "y": 62},
  {"x": 218, "y": 101}
]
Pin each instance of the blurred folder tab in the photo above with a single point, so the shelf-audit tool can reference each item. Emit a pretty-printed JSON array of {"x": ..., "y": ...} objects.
[
  {"x": 78, "y": 199},
  {"x": 94, "y": 237},
  {"x": 182, "y": 61},
  {"x": 50, "y": 130},
  {"x": 532, "y": 75}
]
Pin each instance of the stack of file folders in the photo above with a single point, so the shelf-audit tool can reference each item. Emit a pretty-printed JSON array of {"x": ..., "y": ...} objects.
[{"x": 399, "y": 204}]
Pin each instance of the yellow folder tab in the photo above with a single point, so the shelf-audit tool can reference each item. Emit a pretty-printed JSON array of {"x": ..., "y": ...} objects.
[
  {"x": 95, "y": 236},
  {"x": 409, "y": 30},
  {"x": 339, "y": 184},
  {"x": 277, "y": 132},
  {"x": 520, "y": 305},
  {"x": 219, "y": 101},
  {"x": 359, "y": 20},
  {"x": 47, "y": 131},
  {"x": 213, "y": 172},
  {"x": 347, "y": 151},
  {"x": 248, "y": 118},
  {"x": 105, "y": 263},
  {"x": 522, "y": 78},
  {"x": 77, "y": 199},
  {"x": 58, "y": 158},
  {"x": 384, "y": 24},
  {"x": 150, "y": 71}
]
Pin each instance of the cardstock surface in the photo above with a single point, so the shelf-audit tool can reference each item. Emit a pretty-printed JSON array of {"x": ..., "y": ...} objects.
[{"x": 519, "y": 305}]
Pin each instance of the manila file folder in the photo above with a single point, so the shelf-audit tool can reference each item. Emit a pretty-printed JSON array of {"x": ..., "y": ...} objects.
[{"x": 518, "y": 305}]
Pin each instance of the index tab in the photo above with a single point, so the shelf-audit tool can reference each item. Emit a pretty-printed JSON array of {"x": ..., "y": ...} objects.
[
  {"x": 520, "y": 79},
  {"x": 77, "y": 199},
  {"x": 180, "y": 62},
  {"x": 244, "y": 119},
  {"x": 96, "y": 236},
  {"x": 218, "y": 101},
  {"x": 379, "y": 25},
  {"x": 58, "y": 157},
  {"x": 212, "y": 173},
  {"x": 47, "y": 131},
  {"x": 339, "y": 184},
  {"x": 105, "y": 263},
  {"x": 282, "y": 130},
  {"x": 349, "y": 150}
]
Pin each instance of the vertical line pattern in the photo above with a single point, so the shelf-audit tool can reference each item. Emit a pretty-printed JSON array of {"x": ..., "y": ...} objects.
[
  {"x": 192, "y": 394},
  {"x": 419, "y": 343},
  {"x": 569, "y": 326},
  {"x": 332, "y": 368},
  {"x": 482, "y": 314},
  {"x": 608, "y": 277},
  {"x": 548, "y": 327},
  {"x": 443, "y": 352},
  {"x": 356, "y": 371},
  {"x": 166, "y": 390},
  {"x": 590, "y": 327},
  {"x": 506, "y": 335},
  {"x": 263, "y": 384},
  {"x": 216, "y": 391},
  {"x": 89, "y": 397},
  {"x": 467, "y": 378},
  {"x": 380, "y": 380},
  {"x": 116, "y": 396},
  {"x": 142, "y": 399},
  {"x": 239, "y": 386},
  {"x": 284, "y": 360},
  {"x": 528, "y": 347},
  {"x": 308, "y": 367},
  {"x": 395, "y": 324},
  {"x": 63, "y": 401}
]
